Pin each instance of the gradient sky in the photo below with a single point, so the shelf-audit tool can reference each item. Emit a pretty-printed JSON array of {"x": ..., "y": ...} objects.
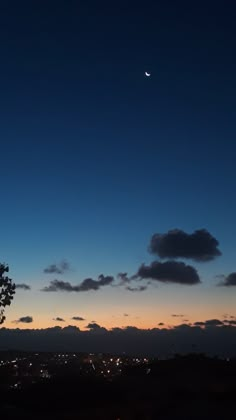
[{"x": 96, "y": 157}]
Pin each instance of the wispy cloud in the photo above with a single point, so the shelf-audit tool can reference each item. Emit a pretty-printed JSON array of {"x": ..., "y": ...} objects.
[
  {"x": 60, "y": 268},
  {"x": 136, "y": 289},
  {"x": 23, "y": 286}
]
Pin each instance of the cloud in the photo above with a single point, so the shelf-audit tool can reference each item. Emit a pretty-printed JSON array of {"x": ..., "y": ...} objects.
[
  {"x": 229, "y": 280},
  {"x": 58, "y": 319},
  {"x": 126, "y": 314},
  {"x": 86, "y": 285},
  {"x": 161, "y": 323},
  {"x": 78, "y": 318},
  {"x": 23, "y": 286},
  {"x": 60, "y": 268},
  {"x": 177, "y": 315},
  {"x": 215, "y": 339},
  {"x": 136, "y": 289},
  {"x": 198, "y": 246},
  {"x": 123, "y": 277},
  {"x": 93, "y": 326},
  {"x": 169, "y": 271},
  {"x": 24, "y": 320},
  {"x": 58, "y": 285},
  {"x": 105, "y": 280},
  {"x": 213, "y": 322}
]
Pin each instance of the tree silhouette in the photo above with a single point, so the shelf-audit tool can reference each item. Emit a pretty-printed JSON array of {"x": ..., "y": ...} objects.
[{"x": 7, "y": 291}]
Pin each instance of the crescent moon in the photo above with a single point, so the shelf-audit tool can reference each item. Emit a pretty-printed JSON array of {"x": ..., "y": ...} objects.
[{"x": 147, "y": 74}]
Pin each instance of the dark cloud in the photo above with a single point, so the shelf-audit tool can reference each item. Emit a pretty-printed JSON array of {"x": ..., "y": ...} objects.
[
  {"x": 126, "y": 314},
  {"x": 58, "y": 285},
  {"x": 87, "y": 284},
  {"x": 93, "y": 326},
  {"x": 229, "y": 280},
  {"x": 23, "y": 286},
  {"x": 213, "y": 322},
  {"x": 199, "y": 246},
  {"x": 213, "y": 340},
  {"x": 136, "y": 289},
  {"x": 58, "y": 319},
  {"x": 131, "y": 329},
  {"x": 60, "y": 268},
  {"x": 78, "y": 318},
  {"x": 177, "y": 315},
  {"x": 161, "y": 323},
  {"x": 169, "y": 271},
  {"x": 182, "y": 326},
  {"x": 123, "y": 277},
  {"x": 24, "y": 320},
  {"x": 105, "y": 280}
]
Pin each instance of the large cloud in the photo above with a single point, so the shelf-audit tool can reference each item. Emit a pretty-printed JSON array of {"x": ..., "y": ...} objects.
[
  {"x": 169, "y": 271},
  {"x": 199, "y": 246},
  {"x": 60, "y": 268},
  {"x": 212, "y": 339},
  {"x": 229, "y": 280},
  {"x": 86, "y": 285}
]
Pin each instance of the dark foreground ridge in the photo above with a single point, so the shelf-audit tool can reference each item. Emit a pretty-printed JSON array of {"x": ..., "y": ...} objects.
[{"x": 101, "y": 386}]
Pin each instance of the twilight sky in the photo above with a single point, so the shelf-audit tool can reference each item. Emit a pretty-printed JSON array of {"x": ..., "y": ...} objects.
[{"x": 99, "y": 164}]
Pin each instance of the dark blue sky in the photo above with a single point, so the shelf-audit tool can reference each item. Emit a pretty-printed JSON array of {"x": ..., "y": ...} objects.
[{"x": 96, "y": 157}]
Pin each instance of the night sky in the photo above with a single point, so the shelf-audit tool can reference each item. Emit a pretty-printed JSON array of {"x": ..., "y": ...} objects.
[{"x": 107, "y": 171}]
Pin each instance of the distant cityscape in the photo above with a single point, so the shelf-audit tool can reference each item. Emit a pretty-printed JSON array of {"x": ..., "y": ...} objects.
[
  {"x": 107, "y": 386},
  {"x": 20, "y": 369}
]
